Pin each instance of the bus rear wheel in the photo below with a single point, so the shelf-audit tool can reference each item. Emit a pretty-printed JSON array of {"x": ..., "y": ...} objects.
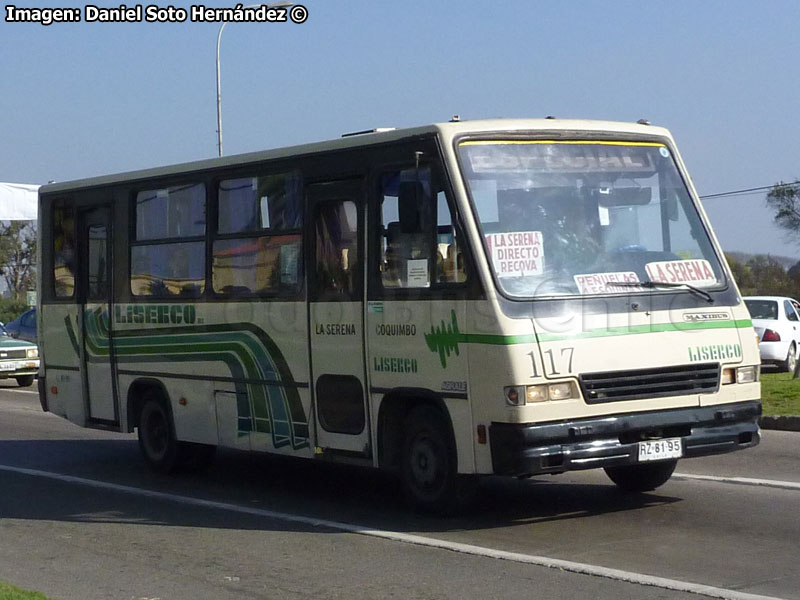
[
  {"x": 156, "y": 435},
  {"x": 642, "y": 477}
]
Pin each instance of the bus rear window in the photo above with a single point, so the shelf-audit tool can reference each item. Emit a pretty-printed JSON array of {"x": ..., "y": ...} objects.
[{"x": 762, "y": 309}]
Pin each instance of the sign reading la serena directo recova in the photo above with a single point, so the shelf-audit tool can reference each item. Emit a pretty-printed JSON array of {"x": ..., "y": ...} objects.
[{"x": 153, "y": 13}]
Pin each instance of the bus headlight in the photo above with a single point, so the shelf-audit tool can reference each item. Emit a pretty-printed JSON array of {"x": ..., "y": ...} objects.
[
  {"x": 519, "y": 395},
  {"x": 33, "y": 353},
  {"x": 560, "y": 391},
  {"x": 746, "y": 374},
  {"x": 739, "y": 375},
  {"x": 536, "y": 393}
]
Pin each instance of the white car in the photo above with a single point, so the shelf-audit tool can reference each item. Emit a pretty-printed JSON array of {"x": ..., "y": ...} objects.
[{"x": 776, "y": 320}]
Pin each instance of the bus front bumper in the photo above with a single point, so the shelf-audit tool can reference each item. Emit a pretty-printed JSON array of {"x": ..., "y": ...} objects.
[{"x": 532, "y": 449}]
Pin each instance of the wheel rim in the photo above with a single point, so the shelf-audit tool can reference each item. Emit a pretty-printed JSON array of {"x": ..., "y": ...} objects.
[
  {"x": 791, "y": 359},
  {"x": 156, "y": 433},
  {"x": 426, "y": 463}
]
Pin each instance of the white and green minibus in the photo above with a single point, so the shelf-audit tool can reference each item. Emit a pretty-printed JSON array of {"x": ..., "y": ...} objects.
[{"x": 498, "y": 297}]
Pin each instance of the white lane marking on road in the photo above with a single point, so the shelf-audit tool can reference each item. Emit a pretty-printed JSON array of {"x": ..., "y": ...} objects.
[
  {"x": 771, "y": 483},
  {"x": 418, "y": 540},
  {"x": 16, "y": 391}
]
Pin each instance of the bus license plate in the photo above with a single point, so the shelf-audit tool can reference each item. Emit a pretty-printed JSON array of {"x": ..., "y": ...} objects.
[{"x": 660, "y": 449}]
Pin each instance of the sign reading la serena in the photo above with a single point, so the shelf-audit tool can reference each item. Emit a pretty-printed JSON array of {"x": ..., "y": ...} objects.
[
  {"x": 693, "y": 272},
  {"x": 516, "y": 253}
]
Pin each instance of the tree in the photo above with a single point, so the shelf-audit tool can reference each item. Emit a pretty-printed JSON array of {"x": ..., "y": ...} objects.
[
  {"x": 743, "y": 275},
  {"x": 794, "y": 275},
  {"x": 18, "y": 256},
  {"x": 769, "y": 277},
  {"x": 784, "y": 199}
]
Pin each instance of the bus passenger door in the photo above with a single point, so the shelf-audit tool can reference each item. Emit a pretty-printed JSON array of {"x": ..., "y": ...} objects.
[
  {"x": 94, "y": 316},
  {"x": 336, "y": 316}
]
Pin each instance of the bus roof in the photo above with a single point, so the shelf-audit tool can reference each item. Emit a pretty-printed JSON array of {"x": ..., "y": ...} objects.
[{"x": 448, "y": 131}]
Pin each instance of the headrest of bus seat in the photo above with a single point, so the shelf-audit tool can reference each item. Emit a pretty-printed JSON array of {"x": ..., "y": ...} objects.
[{"x": 392, "y": 231}]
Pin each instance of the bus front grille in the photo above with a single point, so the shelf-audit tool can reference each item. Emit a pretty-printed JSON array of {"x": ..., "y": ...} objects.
[{"x": 681, "y": 380}]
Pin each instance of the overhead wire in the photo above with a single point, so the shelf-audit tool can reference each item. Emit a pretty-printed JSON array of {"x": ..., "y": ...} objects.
[{"x": 746, "y": 191}]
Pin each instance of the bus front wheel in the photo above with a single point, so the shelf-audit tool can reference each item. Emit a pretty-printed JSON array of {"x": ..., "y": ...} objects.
[
  {"x": 642, "y": 477},
  {"x": 156, "y": 436},
  {"x": 428, "y": 466}
]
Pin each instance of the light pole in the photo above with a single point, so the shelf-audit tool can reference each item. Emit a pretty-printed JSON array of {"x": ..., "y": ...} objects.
[{"x": 281, "y": 4}]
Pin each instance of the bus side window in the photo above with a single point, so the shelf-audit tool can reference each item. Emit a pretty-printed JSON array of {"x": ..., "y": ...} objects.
[
  {"x": 418, "y": 245},
  {"x": 257, "y": 247},
  {"x": 336, "y": 248},
  {"x": 406, "y": 251},
  {"x": 168, "y": 252},
  {"x": 450, "y": 267},
  {"x": 63, "y": 250}
]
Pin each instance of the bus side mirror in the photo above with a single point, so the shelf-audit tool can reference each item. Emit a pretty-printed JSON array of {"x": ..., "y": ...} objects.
[{"x": 409, "y": 201}]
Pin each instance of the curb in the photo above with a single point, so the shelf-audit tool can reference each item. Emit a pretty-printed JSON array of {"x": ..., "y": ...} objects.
[{"x": 780, "y": 423}]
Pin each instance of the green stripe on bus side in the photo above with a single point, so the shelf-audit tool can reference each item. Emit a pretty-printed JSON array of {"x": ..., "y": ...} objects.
[
  {"x": 510, "y": 340},
  {"x": 256, "y": 362},
  {"x": 445, "y": 338},
  {"x": 247, "y": 350},
  {"x": 268, "y": 402},
  {"x": 651, "y": 328}
]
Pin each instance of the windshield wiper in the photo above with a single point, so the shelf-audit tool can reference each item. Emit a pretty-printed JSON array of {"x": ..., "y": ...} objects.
[{"x": 662, "y": 284}]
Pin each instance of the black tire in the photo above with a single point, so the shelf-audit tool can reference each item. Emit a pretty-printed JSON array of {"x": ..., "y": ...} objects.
[
  {"x": 428, "y": 464},
  {"x": 157, "y": 434},
  {"x": 642, "y": 477},
  {"x": 788, "y": 365},
  {"x": 24, "y": 380}
]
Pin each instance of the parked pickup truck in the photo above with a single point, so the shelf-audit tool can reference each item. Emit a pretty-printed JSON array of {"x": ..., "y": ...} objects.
[{"x": 18, "y": 359}]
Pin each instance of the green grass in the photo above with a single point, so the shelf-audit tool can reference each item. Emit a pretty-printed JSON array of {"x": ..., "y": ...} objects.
[
  {"x": 9, "y": 592},
  {"x": 780, "y": 394}
]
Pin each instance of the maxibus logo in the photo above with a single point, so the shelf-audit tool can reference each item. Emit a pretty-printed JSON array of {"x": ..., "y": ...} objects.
[{"x": 174, "y": 314}]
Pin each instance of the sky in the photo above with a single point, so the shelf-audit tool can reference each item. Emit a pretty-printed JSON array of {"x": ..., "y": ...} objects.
[{"x": 85, "y": 99}]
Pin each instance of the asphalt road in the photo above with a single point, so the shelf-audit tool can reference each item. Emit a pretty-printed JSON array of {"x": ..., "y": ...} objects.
[{"x": 81, "y": 517}]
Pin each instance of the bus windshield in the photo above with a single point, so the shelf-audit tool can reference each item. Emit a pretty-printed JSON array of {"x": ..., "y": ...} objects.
[{"x": 586, "y": 217}]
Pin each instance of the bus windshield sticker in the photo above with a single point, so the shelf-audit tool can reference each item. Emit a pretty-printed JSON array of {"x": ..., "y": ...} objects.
[
  {"x": 290, "y": 257},
  {"x": 694, "y": 272},
  {"x": 603, "y": 283},
  {"x": 517, "y": 253},
  {"x": 417, "y": 273}
]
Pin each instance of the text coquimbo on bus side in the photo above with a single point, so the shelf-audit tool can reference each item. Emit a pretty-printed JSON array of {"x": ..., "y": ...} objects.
[{"x": 491, "y": 297}]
